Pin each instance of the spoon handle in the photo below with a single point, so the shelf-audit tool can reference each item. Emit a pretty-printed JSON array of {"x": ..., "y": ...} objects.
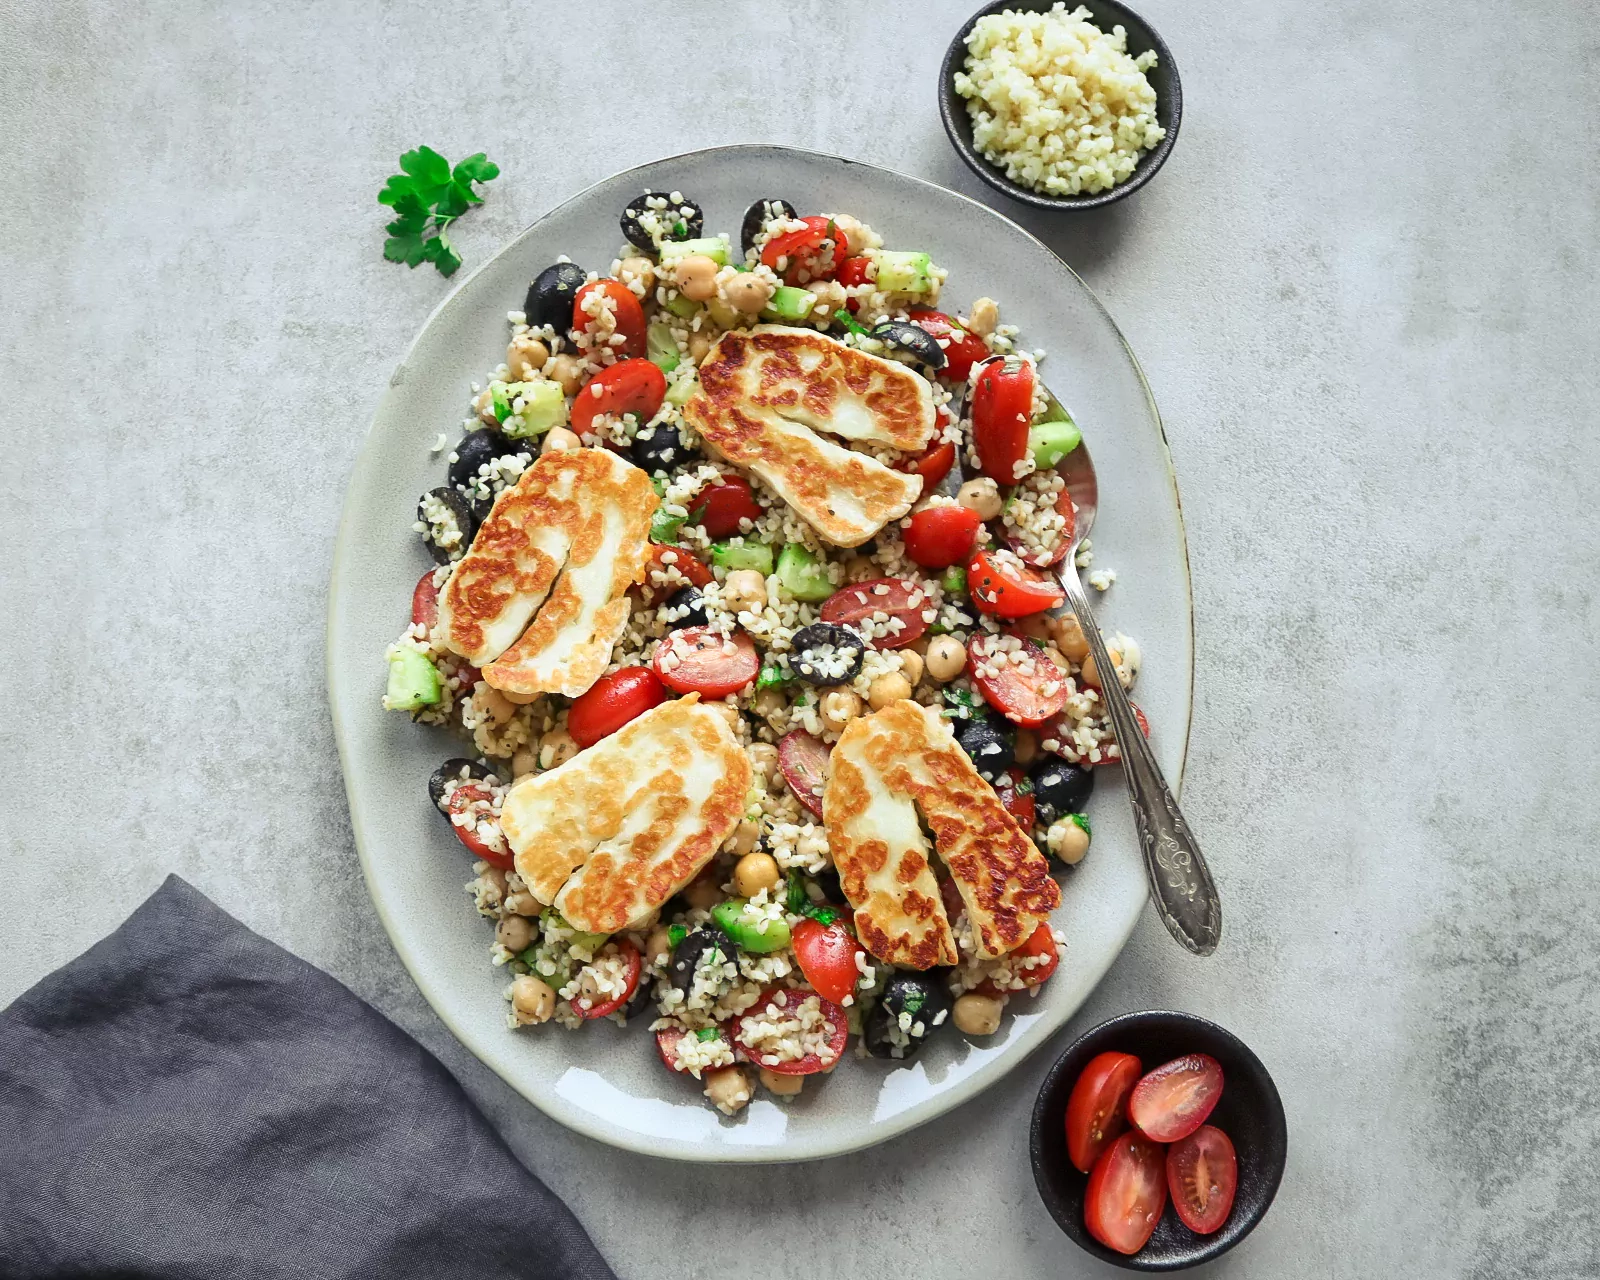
[{"x": 1185, "y": 895}]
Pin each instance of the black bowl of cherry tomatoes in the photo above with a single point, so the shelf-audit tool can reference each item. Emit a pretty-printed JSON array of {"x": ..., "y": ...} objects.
[{"x": 1158, "y": 1141}]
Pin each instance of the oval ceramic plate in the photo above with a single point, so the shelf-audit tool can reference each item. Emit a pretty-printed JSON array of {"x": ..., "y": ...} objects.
[{"x": 605, "y": 1080}]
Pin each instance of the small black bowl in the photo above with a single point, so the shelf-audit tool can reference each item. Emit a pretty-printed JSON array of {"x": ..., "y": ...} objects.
[
  {"x": 1106, "y": 14},
  {"x": 1249, "y": 1112}
]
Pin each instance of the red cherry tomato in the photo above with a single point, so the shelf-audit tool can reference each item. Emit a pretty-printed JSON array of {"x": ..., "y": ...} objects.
[
  {"x": 858, "y": 606},
  {"x": 700, "y": 660},
  {"x": 626, "y": 308},
  {"x": 838, "y": 1034},
  {"x": 962, "y": 350},
  {"x": 1174, "y": 1100},
  {"x": 950, "y": 896},
  {"x": 827, "y": 956},
  {"x": 804, "y": 761},
  {"x": 1002, "y": 585},
  {"x": 662, "y": 558},
  {"x": 630, "y": 982},
  {"x": 1097, "y": 1111},
  {"x": 1016, "y": 796},
  {"x": 1002, "y": 408},
  {"x": 629, "y": 386},
  {"x": 667, "y": 1046},
  {"x": 933, "y": 466},
  {"x": 851, "y": 273},
  {"x": 941, "y": 536},
  {"x": 721, "y": 506},
  {"x": 1202, "y": 1175},
  {"x": 460, "y": 799},
  {"x": 425, "y": 601},
  {"x": 611, "y": 702},
  {"x": 1059, "y": 548},
  {"x": 1025, "y": 695},
  {"x": 812, "y": 254},
  {"x": 1060, "y": 728},
  {"x": 1126, "y": 1193},
  {"x": 1041, "y": 945}
]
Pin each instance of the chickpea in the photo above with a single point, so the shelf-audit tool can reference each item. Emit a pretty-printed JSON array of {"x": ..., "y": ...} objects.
[
  {"x": 559, "y": 440},
  {"x": 858, "y": 568},
  {"x": 525, "y": 357},
  {"x": 1026, "y": 749},
  {"x": 982, "y": 496},
  {"x": 755, "y": 872},
  {"x": 728, "y": 1089},
  {"x": 729, "y": 713},
  {"x": 985, "y": 315},
  {"x": 640, "y": 270},
  {"x": 911, "y": 666},
  {"x": 495, "y": 879},
  {"x": 855, "y": 235},
  {"x": 767, "y": 703},
  {"x": 557, "y": 748},
  {"x": 748, "y": 292},
  {"x": 1056, "y": 656},
  {"x": 567, "y": 371},
  {"x": 1038, "y": 627},
  {"x": 532, "y": 999},
  {"x": 514, "y": 933},
  {"x": 524, "y": 762},
  {"x": 658, "y": 946},
  {"x": 888, "y": 688},
  {"x": 523, "y": 903},
  {"x": 829, "y": 293},
  {"x": 782, "y": 1086},
  {"x": 699, "y": 344},
  {"x": 976, "y": 1015},
  {"x": 483, "y": 406},
  {"x": 947, "y": 658},
  {"x": 696, "y": 277},
  {"x": 764, "y": 756},
  {"x": 839, "y": 707},
  {"x": 745, "y": 837},
  {"x": 589, "y": 991},
  {"x": 704, "y": 891},
  {"x": 1068, "y": 841},
  {"x": 1070, "y": 639},
  {"x": 495, "y": 705},
  {"x": 745, "y": 589},
  {"x": 1091, "y": 673}
]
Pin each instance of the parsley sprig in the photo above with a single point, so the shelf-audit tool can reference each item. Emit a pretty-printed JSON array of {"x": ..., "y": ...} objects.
[{"x": 426, "y": 198}]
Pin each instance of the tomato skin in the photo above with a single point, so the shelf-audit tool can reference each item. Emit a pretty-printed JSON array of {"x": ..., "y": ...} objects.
[
  {"x": 1173, "y": 1100},
  {"x": 1008, "y": 589},
  {"x": 1042, "y": 943},
  {"x": 425, "y": 602},
  {"x": 721, "y": 506},
  {"x": 838, "y": 1035},
  {"x": 629, "y": 386},
  {"x": 1017, "y": 802},
  {"x": 804, "y": 250},
  {"x": 851, "y": 273},
  {"x": 960, "y": 353},
  {"x": 902, "y": 598},
  {"x": 804, "y": 761},
  {"x": 1126, "y": 1194},
  {"x": 694, "y": 570},
  {"x": 1097, "y": 1111},
  {"x": 1044, "y": 559},
  {"x": 1002, "y": 409},
  {"x": 630, "y": 953},
  {"x": 459, "y": 799},
  {"x": 629, "y": 314},
  {"x": 1202, "y": 1176},
  {"x": 704, "y": 665},
  {"x": 667, "y": 1045},
  {"x": 827, "y": 957},
  {"x": 1018, "y": 696},
  {"x": 611, "y": 702},
  {"x": 933, "y": 466},
  {"x": 941, "y": 536}
]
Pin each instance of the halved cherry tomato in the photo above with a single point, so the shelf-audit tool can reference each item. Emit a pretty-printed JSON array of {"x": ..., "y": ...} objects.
[
  {"x": 838, "y": 1034},
  {"x": 1097, "y": 1111},
  {"x": 852, "y": 272},
  {"x": 721, "y": 506},
  {"x": 804, "y": 761},
  {"x": 950, "y": 896},
  {"x": 700, "y": 660},
  {"x": 630, "y": 982},
  {"x": 857, "y": 606},
  {"x": 1126, "y": 1193},
  {"x": 611, "y": 702},
  {"x": 1027, "y": 697},
  {"x": 1002, "y": 585},
  {"x": 667, "y": 1046},
  {"x": 459, "y": 799},
  {"x": 827, "y": 956},
  {"x": 1016, "y": 796},
  {"x": 1001, "y": 409},
  {"x": 933, "y": 466},
  {"x": 469, "y": 675},
  {"x": 1060, "y": 728},
  {"x": 962, "y": 350},
  {"x": 1202, "y": 1175},
  {"x": 425, "y": 601},
  {"x": 1058, "y": 549},
  {"x": 1174, "y": 1100},
  {"x": 625, "y": 307},
  {"x": 694, "y": 570},
  {"x": 629, "y": 386},
  {"x": 812, "y": 254},
  {"x": 941, "y": 536},
  {"x": 1041, "y": 944}
]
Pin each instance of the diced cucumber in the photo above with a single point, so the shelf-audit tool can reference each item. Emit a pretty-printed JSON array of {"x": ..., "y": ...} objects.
[
  {"x": 789, "y": 303},
  {"x": 683, "y": 308},
  {"x": 904, "y": 272},
  {"x": 803, "y": 575},
  {"x": 742, "y": 555},
  {"x": 771, "y": 935},
  {"x": 681, "y": 390},
  {"x": 954, "y": 581},
  {"x": 590, "y": 942},
  {"x": 500, "y": 400},
  {"x": 1049, "y": 442},
  {"x": 713, "y": 247},
  {"x": 664, "y": 528},
  {"x": 413, "y": 680},
  {"x": 543, "y": 406},
  {"x": 661, "y": 347}
]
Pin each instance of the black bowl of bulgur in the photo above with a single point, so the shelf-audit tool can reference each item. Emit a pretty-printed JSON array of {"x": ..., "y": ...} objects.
[{"x": 1057, "y": 153}]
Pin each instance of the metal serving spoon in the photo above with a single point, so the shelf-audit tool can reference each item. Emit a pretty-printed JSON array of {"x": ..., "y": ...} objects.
[{"x": 1185, "y": 895}]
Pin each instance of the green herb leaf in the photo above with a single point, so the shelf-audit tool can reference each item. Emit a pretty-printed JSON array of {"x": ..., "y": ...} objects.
[
  {"x": 1082, "y": 819},
  {"x": 676, "y": 933},
  {"x": 843, "y": 316},
  {"x": 771, "y": 678},
  {"x": 706, "y": 1034},
  {"x": 798, "y": 899},
  {"x": 822, "y": 915},
  {"x": 427, "y": 197}
]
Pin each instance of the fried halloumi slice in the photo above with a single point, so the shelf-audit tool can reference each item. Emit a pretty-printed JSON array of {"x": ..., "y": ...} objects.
[
  {"x": 612, "y": 834},
  {"x": 889, "y": 770},
  {"x": 764, "y": 396},
  {"x": 540, "y": 598}
]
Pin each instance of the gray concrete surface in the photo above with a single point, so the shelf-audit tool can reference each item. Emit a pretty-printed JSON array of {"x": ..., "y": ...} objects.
[{"x": 1364, "y": 291}]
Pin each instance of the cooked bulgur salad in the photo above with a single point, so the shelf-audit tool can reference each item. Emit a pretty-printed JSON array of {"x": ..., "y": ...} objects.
[{"x": 775, "y": 729}]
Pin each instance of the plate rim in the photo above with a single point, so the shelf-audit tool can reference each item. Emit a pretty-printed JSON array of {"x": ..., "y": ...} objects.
[{"x": 962, "y": 1091}]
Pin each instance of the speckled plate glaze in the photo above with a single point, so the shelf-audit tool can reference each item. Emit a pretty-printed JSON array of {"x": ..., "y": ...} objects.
[{"x": 606, "y": 1081}]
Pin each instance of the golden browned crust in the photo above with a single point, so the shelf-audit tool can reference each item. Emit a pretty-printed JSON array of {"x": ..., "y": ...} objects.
[
  {"x": 617, "y": 830},
  {"x": 902, "y": 758}
]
